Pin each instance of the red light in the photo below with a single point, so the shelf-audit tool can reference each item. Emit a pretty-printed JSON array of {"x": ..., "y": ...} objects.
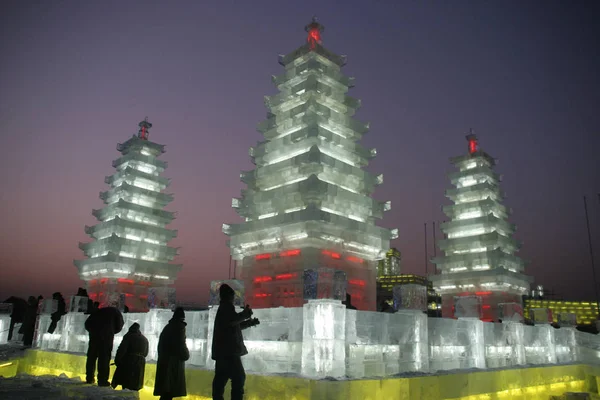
[
  {"x": 486, "y": 307},
  {"x": 483, "y": 293},
  {"x": 128, "y": 295},
  {"x": 262, "y": 279},
  {"x": 355, "y": 259},
  {"x": 358, "y": 282},
  {"x": 145, "y": 283},
  {"x": 332, "y": 254},
  {"x": 262, "y": 295},
  {"x": 265, "y": 256},
  {"x": 93, "y": 282},
  {"x": 103, "y": 281},
  {"x": 472, "y": 146},
  {"x": 143, "y": 296},
  {"x": 289, "y": 253},
  {"x": 123, "y": 280},
  {"x": 285, "y": 276}
]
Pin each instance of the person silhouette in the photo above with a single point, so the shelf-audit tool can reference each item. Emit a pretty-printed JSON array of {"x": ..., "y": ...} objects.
[
  {"x": 172, "y": 355},
  {"x": 102, "y": 326},
  {"x": 228, "y": 345},
  {"x": 131, "y": 360}
]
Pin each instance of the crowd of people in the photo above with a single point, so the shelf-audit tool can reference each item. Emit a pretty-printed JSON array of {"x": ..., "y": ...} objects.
[
  {"x": 104, "y": 323},
  {"x": 130, "y": 360}
]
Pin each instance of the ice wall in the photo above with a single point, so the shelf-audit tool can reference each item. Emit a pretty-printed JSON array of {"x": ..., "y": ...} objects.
[{"x": 324, "y": 339}]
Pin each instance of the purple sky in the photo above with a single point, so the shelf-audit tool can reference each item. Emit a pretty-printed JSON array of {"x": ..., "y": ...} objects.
[{"x": 77, "y": 77}]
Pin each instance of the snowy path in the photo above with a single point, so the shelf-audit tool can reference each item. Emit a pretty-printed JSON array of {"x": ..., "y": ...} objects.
[{"x": 26, "y": 387}]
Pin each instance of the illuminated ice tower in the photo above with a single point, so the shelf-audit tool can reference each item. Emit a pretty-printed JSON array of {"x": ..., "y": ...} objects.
[
  {"x": 307, "y": 204},
  {"x": 479, "y": 247},
  {"x": 128, "y": 255}
]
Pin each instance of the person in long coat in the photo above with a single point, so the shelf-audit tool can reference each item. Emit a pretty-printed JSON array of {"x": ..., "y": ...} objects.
[
  {"x": 228, "y": 345},
  {"x": 131, "y": 360},
  {"x": 102, "y": 326},
  {"x": 28, "y": 326},
  {"x": 172, "y": 355}
]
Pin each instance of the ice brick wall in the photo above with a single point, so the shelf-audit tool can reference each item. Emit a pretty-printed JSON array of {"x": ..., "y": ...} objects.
[
  {"x": 4, "y": 327},
  {"x": 455, "y": 344},
  {"x": 381, "y": 344},
  {"x": 323, "y": 339},
  {"x": 504, "y": 344}
]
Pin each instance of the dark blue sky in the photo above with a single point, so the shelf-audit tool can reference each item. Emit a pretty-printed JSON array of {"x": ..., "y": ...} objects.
[{"x": 76, "y": 78}]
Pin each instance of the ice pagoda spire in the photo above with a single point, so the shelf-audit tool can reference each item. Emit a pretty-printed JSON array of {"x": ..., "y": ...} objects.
[
  {"x": 128, "y": 257},
  {"x": 314, "y": 30},
  {"x": 308, "y": 201},
  {"x": 479, "y": 246}
]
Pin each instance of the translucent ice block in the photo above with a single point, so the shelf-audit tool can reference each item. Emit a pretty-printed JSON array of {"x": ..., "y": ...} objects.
[
  {"x": 78, "y": 304},
  {"x": 540, "y": 315},
  {"x": 323, "y": 349},
  {"x": 467, "y": 307},
  {"x": 410, "y": 297},
  {"x": 510, "y": 312},
  {"x": 567, "y": 319},
  {"x": 456, "y": 344},
  {"x": 503, "y": 344},
  {"x": 539, "y": 344}
]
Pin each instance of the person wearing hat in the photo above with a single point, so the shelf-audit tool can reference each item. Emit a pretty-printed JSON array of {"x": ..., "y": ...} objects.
[
  {"x": 131, "y": 360},
  {"x": 228, "y": 345},
  {"x": 172, "y": 355},
  {"x": 102, "y": 326}
]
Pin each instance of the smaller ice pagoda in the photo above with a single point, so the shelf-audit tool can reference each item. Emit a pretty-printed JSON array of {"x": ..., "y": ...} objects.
[
  {"x": 128, "y": 258},
  {"x": 479, "y": 249}
]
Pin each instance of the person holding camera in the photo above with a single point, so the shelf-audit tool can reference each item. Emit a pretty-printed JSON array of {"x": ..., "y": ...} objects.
[{"x": 228, "y": 345}]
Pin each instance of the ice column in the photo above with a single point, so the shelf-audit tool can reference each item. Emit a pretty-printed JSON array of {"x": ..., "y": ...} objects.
[{"x": 323, "y": 347}]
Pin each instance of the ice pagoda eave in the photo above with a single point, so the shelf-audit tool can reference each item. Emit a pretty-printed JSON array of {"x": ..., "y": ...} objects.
[
  {"x": 485, "y": 189},
  {"x": 285, "y": 101},
  {"x": 135, "y": 143},
  {"x": 135, "y": 156},
  {"x": 165, "y": 216},
  {"x": 323, "y": 134},
  {"x": 117, "y": 223},
  {"x": 348, "y": 128},
  {"x": 489, "y": 241},
  {"x": 310, "y": 214},
  {"x": 136, "y": 173},
  {"x": 125, "y": 190},
  {"x": 137, "y": 263},
  {"x": 479, "y": 261},
  {"x": 319, "y": 50},
  {"x": 471, "y": 157},
  {"x": 332, "y": 77}
]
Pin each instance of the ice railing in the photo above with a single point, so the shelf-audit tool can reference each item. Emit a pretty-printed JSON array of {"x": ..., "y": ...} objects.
[{"x": 323, "y": 338}]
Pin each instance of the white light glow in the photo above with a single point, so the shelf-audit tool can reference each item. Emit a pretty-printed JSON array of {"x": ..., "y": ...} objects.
[
  {"x": 151, "y": 241},
  {"x": 161, "y": 277},
  {"x": 448, "y": 287},
  {"x": 298, "y": 236},
  {"x": 458, "y": 269},
  {"x": 470, "y": 214},
  {"x": 480, "y": 267},
  {"x": 466, "y": 233},
  {"x": 133, "y": 237},
  {"x": 291, "y": 210},
  {"x": 288, "y": 156},
  {"x": 267, "y": 215},
  {"x": 286, "y": 183}
]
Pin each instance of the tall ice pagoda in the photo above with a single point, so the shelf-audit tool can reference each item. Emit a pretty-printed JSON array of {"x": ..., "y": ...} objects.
[
  {"x": 128, "y": 258},
  {"x": 307, "y": 204},
  {"x": 479, "y": 248}
]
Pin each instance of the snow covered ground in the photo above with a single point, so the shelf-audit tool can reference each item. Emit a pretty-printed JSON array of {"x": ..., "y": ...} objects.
[
  {"x": 26, "y": 387},
  {"x": 11, "y": 351}
]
